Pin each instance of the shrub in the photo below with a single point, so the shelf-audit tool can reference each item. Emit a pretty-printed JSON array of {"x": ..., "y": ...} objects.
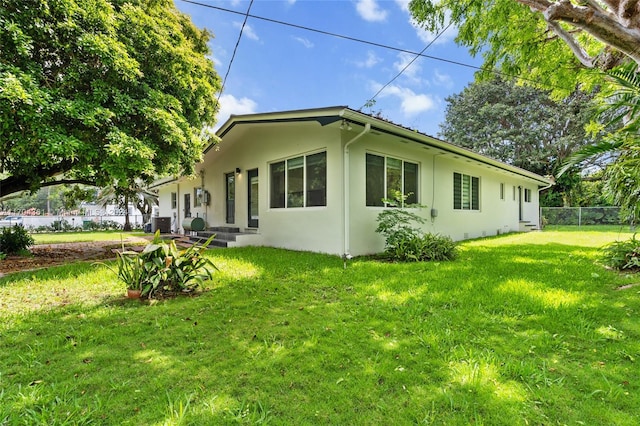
[
  {"x": 163, "y": 269},
  {"x": 622, "y": 254},
  {"x": 15, "y": 240},
  {"x": 405, "y": 242}
]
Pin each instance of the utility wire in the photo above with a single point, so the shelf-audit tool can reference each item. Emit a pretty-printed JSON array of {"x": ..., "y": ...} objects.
[
  {"x": 371, "y": 101},
  {"x": 235, "y": 49},
  {"x": 415, "y": 58},
  {"x": 328, "y": 33},
  {"x": 362, "y": 41}
]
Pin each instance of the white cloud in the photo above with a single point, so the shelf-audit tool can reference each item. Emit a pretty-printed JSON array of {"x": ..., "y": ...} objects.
[
  {"x": 370, "y": 10},
  {"x": 426, "y": 36},
  {"x": 371, "y": 61},
  {"x": 441, "y": 79},
  {"x": 304, "y": 41},
  {"x": 411, "y": 103},
  {"x": 230, "y": 105},
  {"x": 403, "y": 5},
  {"x": 413, "y": 71},
  {"x": 247, "y": 31}
]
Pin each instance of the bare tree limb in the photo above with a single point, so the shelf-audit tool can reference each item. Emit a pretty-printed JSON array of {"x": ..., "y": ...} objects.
[
  {"x": 618, "y": 27},
  {"x": 575, "y": 47}
]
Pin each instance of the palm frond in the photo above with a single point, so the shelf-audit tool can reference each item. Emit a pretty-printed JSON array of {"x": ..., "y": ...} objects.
[
  {"x": 621, "y": 99},
  {"x": 590, "y": 151}
]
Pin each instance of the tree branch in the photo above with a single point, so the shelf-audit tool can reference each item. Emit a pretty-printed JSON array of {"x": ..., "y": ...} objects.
[
  {"x": 607, "y": 26},
  {"x": 68, "y": 182},
  {"x": 575, "y": 47}
]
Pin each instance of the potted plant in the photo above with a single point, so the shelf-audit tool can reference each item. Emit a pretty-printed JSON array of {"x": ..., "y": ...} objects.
[
  {"x": 162, "y": 269},
  {"x": 130, "y": 269}
]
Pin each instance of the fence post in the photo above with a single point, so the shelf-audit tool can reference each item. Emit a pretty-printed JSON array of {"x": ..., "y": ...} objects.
[{"x": 579, "y": 217}]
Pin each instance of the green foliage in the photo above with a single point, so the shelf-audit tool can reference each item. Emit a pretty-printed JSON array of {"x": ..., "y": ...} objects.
[
  {"x": 517, "y": 41},
  {"x": 581, "y": 216},
  {"x": 15, "y": 240},
  {"x": 522, "y": 126},
  {"x": 622, "y": 182},
  {"x": 620, "y": 100},
  {"x": 163, "y": 269},
  {"x": 405, "y": 241},
  {"x": 101, "y": 91},
  {"x": 622, "y": 255},
  {"x": 619, "y": 114}
]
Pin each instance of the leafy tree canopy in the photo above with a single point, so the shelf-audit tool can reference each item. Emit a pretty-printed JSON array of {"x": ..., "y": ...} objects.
[
  {"x": 522, "y": 126},
  {"x": 101, "y": 91},
  {"x": 553, "y": 43}
]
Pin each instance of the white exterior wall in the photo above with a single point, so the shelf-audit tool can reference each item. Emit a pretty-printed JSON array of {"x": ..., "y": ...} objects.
[
  {"x": 250, "y": 146},
  {"x": 436, "y": 192},
  {"x": 313, "y": 228},
  {"x": 164, "y": 204}
]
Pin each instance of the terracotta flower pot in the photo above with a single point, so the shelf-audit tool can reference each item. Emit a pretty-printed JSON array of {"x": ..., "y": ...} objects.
[{"x": 133, "y": 294}]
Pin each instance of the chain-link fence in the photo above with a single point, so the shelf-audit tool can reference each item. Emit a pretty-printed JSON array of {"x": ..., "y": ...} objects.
[{"x": 580, "y": 215}]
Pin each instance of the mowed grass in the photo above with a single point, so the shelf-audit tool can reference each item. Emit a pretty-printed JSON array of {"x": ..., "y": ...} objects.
[
  {"x": 87, "y": 236},
  {"x": 523, "y": 329}
]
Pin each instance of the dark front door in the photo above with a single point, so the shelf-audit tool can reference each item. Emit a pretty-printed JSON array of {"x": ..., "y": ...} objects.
[
  {"x": 230, "y": 183},
  {"x": 519, "y": 203},
  {"x": 252, "y": 190},
  {"x": 187, "y": 205}
]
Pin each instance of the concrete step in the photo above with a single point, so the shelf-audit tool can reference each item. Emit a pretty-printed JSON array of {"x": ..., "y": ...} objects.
[
  {"x": 527, "y": 226},
  {"x": 197, "y": 239},
  {"x": 225, "y": 229}
]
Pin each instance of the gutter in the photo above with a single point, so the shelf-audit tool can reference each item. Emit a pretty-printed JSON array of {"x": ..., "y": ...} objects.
[{"x": 347, "y": 184}]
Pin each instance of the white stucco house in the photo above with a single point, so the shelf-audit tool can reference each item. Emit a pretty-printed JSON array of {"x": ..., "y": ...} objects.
[{"x": 315, "y": 179}]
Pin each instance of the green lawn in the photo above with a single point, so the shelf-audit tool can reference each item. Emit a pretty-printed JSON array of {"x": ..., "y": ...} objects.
[
  {"x": 78, "y": 237},
  {"x": 523, "y": 329}
]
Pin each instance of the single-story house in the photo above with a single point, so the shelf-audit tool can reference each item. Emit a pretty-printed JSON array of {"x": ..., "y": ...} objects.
[{"x": 315, "y": 180}]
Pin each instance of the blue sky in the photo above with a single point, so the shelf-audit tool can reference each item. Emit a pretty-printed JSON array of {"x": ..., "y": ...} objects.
[{"x": 279, "y": 67}]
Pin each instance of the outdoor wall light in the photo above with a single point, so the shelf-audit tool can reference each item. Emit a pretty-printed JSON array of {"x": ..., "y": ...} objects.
[
  {"x": 345, "y": 125},
  {"x": 238, "y": 171}
]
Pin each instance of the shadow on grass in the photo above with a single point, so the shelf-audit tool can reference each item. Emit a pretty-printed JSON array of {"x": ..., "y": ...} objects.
[{"x": 500, "y": 335}]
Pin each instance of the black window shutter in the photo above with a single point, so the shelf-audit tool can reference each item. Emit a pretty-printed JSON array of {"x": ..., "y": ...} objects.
[
  {"x": 475, "y": 193},
  {"x": 457, "y": 191}
]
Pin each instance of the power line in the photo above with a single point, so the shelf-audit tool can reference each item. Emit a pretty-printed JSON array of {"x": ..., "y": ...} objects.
[
  {"x": 373, "y": 98},
  {"x": 415, "y": 58},
  {"x": 362, "y": 41},
  {"x": 224, "y": 81},
  {"x": 328, "y": 33}
]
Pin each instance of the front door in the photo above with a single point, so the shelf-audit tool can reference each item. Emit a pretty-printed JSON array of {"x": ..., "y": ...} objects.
[
  {"x": 187, "y": 205},
  {"x": 253, "y": 198},
  {"x": 230, "y": 183},
  {"x": 519, "y": 203}
]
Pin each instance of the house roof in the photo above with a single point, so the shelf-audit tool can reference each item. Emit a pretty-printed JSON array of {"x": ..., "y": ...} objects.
[{"x": 330, "y": 115}]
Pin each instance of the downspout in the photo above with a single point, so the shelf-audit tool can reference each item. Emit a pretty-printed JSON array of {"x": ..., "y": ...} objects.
[
  {"x": 177, "y": 209},
  {"x": 347, "y": 184},
  {"x": 551, "y": 183}
]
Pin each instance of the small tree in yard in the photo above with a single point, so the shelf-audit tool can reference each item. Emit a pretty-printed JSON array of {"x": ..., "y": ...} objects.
[{"x": 404, "y": 240}]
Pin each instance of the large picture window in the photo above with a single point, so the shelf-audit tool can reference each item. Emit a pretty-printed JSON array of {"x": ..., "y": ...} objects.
[
  {"x": 466, "y": 192},
  {"x": 299, "y": 182},
  {"x": 388, "y": 177}
]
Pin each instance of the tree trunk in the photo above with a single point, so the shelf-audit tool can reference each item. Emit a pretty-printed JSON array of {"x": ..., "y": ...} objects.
[{"x": 127, "y": 224}]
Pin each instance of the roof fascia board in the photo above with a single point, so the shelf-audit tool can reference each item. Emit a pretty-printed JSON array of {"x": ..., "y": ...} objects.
[
  {"x": 323, "y": 116},
  {"x": 389, "y": 128}
]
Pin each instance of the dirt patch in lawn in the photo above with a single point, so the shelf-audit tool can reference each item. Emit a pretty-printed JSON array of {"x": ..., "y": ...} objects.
[{"x": 47, "y": 255}]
